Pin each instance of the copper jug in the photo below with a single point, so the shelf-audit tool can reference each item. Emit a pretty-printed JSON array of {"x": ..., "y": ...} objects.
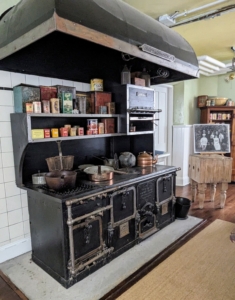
[{"x": 145, "y": 159}]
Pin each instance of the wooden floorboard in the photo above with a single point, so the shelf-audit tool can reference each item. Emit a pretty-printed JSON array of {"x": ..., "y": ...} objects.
[{"x": 210, "y": 212}]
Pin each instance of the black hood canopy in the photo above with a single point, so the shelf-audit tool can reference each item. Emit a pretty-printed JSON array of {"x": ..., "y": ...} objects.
[{"x": 80, "y": 39}]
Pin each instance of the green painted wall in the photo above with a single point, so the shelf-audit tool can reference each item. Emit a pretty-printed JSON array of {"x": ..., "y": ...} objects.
[
  {"x": 5, "y": 4},
  {"x": 208, "y": 86},
  {"x": 191, "y": 113},
  {"x": 226, "y": 87},
  {"x": 178, "y": 103}
]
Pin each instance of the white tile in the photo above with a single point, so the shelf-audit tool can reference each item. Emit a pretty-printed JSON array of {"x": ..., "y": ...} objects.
[
  {"x": 17, "y": 78},
  {"x": 9, "y": 174},
  {"x": 15, "y": 216},
  {"x": 18, "y": 238},
  {"x": 32, "y": 80},
  {"x": 86, "y": 87},
  {"x": 67, "y": 83},
  {"x": 1, "y": 175},
  {"x": 5, "y": 79},
  {"x": 5, "y": 129},
  {"x": 4, "y": 243},
  {"x": 55, "y": 81},
  {"x": 25, "y": 213},
  {"x": 3, "y": 220},
  {"x": 0, "y": 160},
  {"x": 26, "y": 227},
  {"x": 78, "y": 86},
  {"x": 24, "y": 200},
  {"x": 16, "y": 230},
  {"x": 11, "y": 189},
  {"x": 5, "y": 112},
  {"x": 13, "y": 203},
  {"x": 23, "y": 191},
  {"x": 6, "y": 144},
  {"x": 2, "y": 191},
  {"x": 0, "y": 146},
  {"x": 6, "y": 98},
  {"x": 7, "y": 159},
  {"x": 3, "y": 205},
  {"x": 46, "y": 81},
  {"x": 27, "y": 235},
  {"x": 4, "y": 234}
]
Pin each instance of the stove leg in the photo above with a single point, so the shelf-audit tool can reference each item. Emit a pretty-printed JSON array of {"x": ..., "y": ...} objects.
[{"x": 201, "y": 194}]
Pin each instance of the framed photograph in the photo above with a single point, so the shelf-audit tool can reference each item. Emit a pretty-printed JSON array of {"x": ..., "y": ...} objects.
[{"x": 211, "y": 138}]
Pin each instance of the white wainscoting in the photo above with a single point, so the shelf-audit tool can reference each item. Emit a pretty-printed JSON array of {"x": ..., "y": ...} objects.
[{"x": 181, "y": 149}]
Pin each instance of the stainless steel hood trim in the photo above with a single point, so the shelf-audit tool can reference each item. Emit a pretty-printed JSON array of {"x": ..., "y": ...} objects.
[{"x": 28, "y": 38}]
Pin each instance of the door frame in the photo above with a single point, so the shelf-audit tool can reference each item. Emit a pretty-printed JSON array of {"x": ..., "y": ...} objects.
[{"x": 170, "y": 90}]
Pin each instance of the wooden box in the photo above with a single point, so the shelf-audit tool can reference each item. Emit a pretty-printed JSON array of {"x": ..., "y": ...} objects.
[
  {"x": 138, "y": 81},
  {"x": 109, "y": 125},
  {"x": 98, "y": 99},
  {"x": 210, "y": 168}
]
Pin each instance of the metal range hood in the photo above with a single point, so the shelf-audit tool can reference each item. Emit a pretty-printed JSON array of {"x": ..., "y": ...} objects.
[{"x": 83, "y": 39}]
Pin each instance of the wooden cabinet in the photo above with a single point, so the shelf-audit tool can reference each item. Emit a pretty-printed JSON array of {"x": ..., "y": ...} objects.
[{"x": 219, "y": 115}]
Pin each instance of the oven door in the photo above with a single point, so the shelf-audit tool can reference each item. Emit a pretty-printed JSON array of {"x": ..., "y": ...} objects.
[{"x": 164, "y": 189}]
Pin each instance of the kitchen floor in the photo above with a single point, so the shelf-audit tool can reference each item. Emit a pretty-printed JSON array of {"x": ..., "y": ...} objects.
[{"x": 22, "y": 271}]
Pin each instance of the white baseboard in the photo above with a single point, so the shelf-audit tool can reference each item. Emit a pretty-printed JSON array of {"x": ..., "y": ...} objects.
[
  {"x": 15, "y": 249},
  {"x": 182, "y": 181}
]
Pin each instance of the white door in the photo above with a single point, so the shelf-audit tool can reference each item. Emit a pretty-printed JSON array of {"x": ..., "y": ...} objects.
[{"x": 163, "y": 130}]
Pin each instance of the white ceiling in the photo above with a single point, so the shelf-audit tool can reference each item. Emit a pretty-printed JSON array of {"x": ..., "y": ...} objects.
[{"x": 212, "y": 37}]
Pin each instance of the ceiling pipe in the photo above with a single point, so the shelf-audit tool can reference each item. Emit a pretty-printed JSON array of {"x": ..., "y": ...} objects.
[{"x": 185, "y": 13}]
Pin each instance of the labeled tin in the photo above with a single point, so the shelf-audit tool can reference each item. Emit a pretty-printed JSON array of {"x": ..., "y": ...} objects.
[
  {"x": 29, "y": 108},
  {"x": 37, "y": 108},
  {"x": 46, "y": 106},
  {"x": 72, "y": 131},
  {"x": 101, "y": 128},
  {"x": 47, "y": 133},
  {"x": 82, "y": 104},
  {"x": 111, "y": 108},
  {"x": 54, "y": 132},
  {"x": 92, "y": 124},
  {"x": 228, "y": 116},
  {"x": 55, "y": 105},
  {"x": 37, "y": 134},
  {"x": 80, "y": 131},
  {"x": 102, "y": 109},
  {"x": 97, "y": 84},
  {"x": 89, "y": 132},
  {"x": 63, "y": 131},
  {"x": 66, "y": 102}
]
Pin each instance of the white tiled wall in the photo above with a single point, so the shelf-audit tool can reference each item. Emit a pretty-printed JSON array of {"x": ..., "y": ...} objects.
[{"x": 14, "y": 216}]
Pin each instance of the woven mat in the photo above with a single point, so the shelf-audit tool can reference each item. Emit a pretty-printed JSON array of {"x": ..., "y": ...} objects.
[{"x": 202, "y": 269}]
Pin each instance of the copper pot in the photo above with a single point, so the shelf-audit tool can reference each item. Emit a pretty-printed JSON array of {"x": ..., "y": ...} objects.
[
  {"x": 58, "y": 180},
  {"x": 145, "y": 159}
]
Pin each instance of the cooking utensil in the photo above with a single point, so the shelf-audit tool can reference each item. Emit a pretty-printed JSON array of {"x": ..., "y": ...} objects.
[
  {"x": 127, "y": 159},
  {"x": 101, "y": 173},
  {"x": 59, "y": 180},
  {"x": 60, "y": 162},
  {"x": 39, "y": 178},
  {"x": 145, "y": 159},
  {"x": 107, "y": 161}
]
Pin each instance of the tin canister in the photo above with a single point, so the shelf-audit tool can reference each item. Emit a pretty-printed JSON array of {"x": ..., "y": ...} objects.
[
  {"x": 97, "y": 84},
  {"x": 54, "y": 132},
  {"x": 212, "y": 102},
  {"x": 37, "y": 107}
]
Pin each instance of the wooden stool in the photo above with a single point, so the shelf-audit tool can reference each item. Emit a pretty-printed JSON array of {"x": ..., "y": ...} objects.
[{"x": 210, "y": 169}]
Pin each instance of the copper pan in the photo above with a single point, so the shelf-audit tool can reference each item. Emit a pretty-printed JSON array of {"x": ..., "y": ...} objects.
[{"x": 101, "y": 173}]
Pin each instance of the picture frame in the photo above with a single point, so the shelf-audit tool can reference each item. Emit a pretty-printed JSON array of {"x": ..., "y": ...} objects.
[{"x": 214, "y": 138}]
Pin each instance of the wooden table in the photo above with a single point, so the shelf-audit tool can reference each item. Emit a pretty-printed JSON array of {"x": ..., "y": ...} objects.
[{"x": 210, "y": 169}]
